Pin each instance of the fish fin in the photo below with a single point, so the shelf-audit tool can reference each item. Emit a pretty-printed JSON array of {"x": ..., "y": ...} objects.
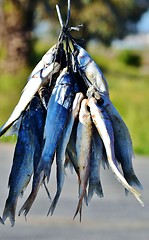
[
  {"x": 1, "y": 221},
  {"x": 27, "y": 205},
  {"x": 133, "y": 180},
  {"x": 126, "y": 192},
  {"x": 69, "y": 165},
  {"x": 45, "y": 167},
  {"x": 47, "y": 190},
  {"x": 137, "y": 195},
  {"x": 4, "y": 128},
  {"x": 54, "y": 203},
  {"x": 95, "y": 188},
  {"x": 104, "y": 164},
  {"x": 79, "y": 209},
  {"x": 14, "y": 128},
  {"x": 29, "y": 202},
  {"x": 21, "y": 193},
  {"x": 85, "y": 198},
  {"x": 84, "y": 194},
  {"x": 9, "y": 212}
]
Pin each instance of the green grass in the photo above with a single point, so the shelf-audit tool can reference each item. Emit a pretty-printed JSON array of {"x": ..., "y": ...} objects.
[{"x": 129, "y": 91}]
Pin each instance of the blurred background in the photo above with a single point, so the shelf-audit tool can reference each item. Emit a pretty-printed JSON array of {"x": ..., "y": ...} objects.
[{"x": 116, "y": 34}]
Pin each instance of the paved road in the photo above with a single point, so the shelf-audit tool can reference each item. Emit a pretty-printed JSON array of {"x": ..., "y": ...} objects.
[{"x": 115, "y": 217}]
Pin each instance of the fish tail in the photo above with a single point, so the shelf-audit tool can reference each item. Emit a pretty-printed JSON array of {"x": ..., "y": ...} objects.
[
  {"x": 47, "y": 190},
  {"x": 133, "y": 180},
  {"x": 123, "y": 181},
  {"x": 1, "y": 221},
  {"x": 83, "y": 195},
  {"x": 69, "y": 165},
  {"x": 54, "y": 203},
  {"x": 45, "y": 167},
  {"x": 95, "y": 188},
  {"x": 79, "y": 208},
  {"x": 137, "y": 195},
  {"x": 104, "y": 164},
  {"x": 9, "y": 212},
  {"x": 81, "y": 191},
  {"x": 29, "y": 202},
  {"x": 4, "y": 128}
]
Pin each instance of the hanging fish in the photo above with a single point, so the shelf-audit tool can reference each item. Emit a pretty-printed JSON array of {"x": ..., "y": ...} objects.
[
  {"x": 61, "y": 149},
  {"x": 60, "y": 102},
  {"x": 83, "y": 147},
  {"x": 22, "y": 168},
  {"x": 123, "y": 143},
  {"x": 105, "y": 129},
  {"x": 37, "y": 122}
]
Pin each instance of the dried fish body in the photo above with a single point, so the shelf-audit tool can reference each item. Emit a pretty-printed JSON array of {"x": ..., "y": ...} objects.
[
  {"x": 22, "y": 168},
  {"x": 105, "y": 129},
  {"x": 122, "y": 144},
  {"x": 60, "y": 102},
  {"x": 61, "y": 149},
  {"x": 83, "y": 148}
]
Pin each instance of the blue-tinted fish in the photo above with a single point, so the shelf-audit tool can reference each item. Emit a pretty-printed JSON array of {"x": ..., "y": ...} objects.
[
  {"x": 37, "y": 122},
  {"x": 35, "y": 81},
  {"x": 122, "y": 144},
  {"x": 83, "y": 148},
  {"x": 58, "y": 110},
  {"x": 61, "y": 149},
  {"x": 105, "y": 129},
  {"x": 22, "y": 168},
  {"x": 91, "y": 70}
]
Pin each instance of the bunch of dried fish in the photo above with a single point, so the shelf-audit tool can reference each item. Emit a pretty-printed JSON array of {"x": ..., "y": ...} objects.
[{"x": 65, "y": 115}]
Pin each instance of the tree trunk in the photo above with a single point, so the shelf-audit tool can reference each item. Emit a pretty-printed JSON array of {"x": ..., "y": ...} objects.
[{"x": 16, "y": 19}]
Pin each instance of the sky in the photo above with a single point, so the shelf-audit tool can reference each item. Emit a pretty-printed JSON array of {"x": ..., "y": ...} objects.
[{"x": 143, "y": 24}]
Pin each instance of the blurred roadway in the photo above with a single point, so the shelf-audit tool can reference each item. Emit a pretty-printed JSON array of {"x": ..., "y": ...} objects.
[{"x": 115, "y": 217}]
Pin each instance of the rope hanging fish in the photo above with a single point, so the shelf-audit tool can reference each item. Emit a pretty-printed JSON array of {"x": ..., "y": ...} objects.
[{"x": 65, "y": 115}]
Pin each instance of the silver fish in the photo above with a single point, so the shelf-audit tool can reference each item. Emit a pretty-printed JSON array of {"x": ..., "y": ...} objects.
[
  {"x": 34, "y": 83},
  {"x": 83, "y": 147},
  {"x": 123, "y": 143},
  {"x": 61, "y": 149},
  {"x": 22, "y": 168},
  {"x": 60, "y": 102},
  {"x": 94, "y": 172},
  {"x": 105, "y": 129},
  {"x": 91, "y": 70}
]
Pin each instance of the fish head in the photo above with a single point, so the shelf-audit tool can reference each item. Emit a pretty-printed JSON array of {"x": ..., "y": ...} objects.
[
  {"x": 83, "y": 57},
  {"x": 84, "y": 114}
]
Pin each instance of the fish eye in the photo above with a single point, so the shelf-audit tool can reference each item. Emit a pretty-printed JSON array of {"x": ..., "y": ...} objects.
[
  {"x": 88, "y": 108},
  {"x": 100, "y": 101}
]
